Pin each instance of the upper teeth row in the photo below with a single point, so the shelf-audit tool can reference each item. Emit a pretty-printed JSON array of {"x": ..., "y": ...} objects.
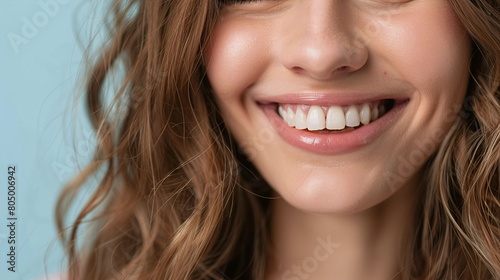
[{"x": 331, "y": 118}]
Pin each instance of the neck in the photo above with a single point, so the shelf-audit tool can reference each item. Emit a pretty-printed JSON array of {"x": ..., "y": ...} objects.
[{"x": 365, "y": 245}]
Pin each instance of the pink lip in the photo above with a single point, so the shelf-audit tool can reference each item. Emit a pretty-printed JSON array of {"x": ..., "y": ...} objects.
[{"x": 336, "y": 143}]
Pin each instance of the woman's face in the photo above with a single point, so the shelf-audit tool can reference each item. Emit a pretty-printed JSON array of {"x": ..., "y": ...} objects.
[{"x": 303, "y": 86}]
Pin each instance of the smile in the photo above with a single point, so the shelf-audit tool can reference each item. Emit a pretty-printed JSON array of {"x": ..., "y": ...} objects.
[
  {"x": 331, "y": 119},
  {"x": 332, "y": 128}
]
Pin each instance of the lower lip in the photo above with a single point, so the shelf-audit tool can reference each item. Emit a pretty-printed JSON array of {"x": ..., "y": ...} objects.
[{"x": 333, "y": 143}]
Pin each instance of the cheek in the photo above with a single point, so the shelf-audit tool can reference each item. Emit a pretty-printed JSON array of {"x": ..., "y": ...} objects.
[
  {"x": 431, "y": 51},
  {"x": 430, "y": 48},
  {"x": 235, "y": 58}
]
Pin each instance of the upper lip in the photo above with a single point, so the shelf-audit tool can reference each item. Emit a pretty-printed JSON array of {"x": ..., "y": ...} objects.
[{"x": 328, "y": 99}]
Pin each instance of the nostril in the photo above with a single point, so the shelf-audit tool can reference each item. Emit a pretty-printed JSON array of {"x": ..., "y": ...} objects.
[{"x": 297, "y": 69}]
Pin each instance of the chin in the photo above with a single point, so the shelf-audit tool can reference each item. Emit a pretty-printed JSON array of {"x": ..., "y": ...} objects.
[{"x": 339, "y": 191}]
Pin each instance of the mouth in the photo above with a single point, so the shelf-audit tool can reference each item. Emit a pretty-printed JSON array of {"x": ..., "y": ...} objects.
[
  {"x": 321, "y": 127},
  {"x": 334, "y": 118}
]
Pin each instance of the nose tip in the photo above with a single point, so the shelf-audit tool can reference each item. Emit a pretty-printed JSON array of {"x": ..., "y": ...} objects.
[
  {"x": 324, "y": 60},
  {"x": 320, "y": 47}
]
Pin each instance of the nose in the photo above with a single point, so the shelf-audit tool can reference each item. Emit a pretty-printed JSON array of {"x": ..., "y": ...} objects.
[{"x": 320, "y": 42}]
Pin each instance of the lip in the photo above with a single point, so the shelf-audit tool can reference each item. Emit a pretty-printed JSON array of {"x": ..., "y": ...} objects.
[{"x": 333, "y": 143}]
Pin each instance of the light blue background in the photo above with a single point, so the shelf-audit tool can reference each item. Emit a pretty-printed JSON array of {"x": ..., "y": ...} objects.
[{"x": 39, "y": 131}]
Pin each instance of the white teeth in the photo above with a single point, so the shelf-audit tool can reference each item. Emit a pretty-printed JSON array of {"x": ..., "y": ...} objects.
[
  {"x": 316, "y": 118},
  {"x": 374, "y": 114},
  {"x": 352, "y": 117},
  {"x": 335, "y": 118},
  {"x": 287, "y": 115},
  {"x": 282, "y": 113},
  {"x": 365, "y": 114},
  {"x": 291, "y": 117},
  {"x": 300, "y": 119}
]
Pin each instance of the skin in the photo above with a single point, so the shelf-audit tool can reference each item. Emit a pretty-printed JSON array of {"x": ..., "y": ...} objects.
[{"x": 361, "y": 199}]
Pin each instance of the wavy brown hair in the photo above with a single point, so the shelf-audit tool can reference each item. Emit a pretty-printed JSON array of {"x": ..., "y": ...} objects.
[{"x": 173, "y": 201}]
